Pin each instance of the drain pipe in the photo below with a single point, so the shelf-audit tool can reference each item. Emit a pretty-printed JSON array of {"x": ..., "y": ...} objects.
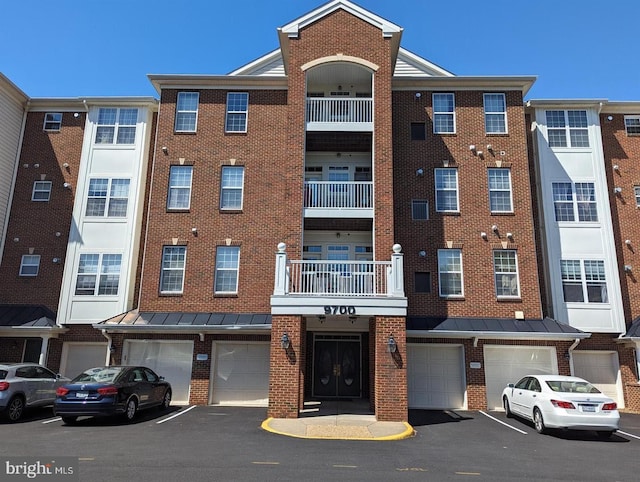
[
  {"x": 109, "y": 346},
  {"x": 570, "y": 353}
]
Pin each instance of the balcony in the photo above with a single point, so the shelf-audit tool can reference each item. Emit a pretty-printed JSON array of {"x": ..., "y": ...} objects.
[
  {"x": 344, "y": 287},
  {"x": 352, "y": 199},
  {"x": 339, "y": 114}
]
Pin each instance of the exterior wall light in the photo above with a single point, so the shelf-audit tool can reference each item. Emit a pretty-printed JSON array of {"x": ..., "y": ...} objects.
[
  {"x": 285, "y": 342},
  {"x": 392, "y": 346},
  {"x": 628, "y": 268}
]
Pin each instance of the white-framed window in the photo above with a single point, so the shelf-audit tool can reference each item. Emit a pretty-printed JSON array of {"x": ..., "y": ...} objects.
[
  {"x": 52, "y": 121},
  {"x": 173, "y": 265},
  {"x": 636, "y": 192},
  {"x": 187, "y": 111},
  {"x": 632, "y": 125},
  {"x": 180, "y": 178},
  {"x": 419, "y": 209},
  {"x": 444, "y": 114},
  {"x": 447, "y": 190},
  {"x": 495, "y": 114},
  {"x": 98, "y": 274},
  {"x": 116, "y": 126},
  {"x": 575, "y": 201},
  {"x": 450, "y": 273},
  {"x": 30, "y": 265},
  {"x": 237, "y": 110},
  {"x": 505, "y": 268},
  {"x": 500, "y": 194},
  {"x": 231, "y": 187},
  {"x": 41, "y": 191},
  {"x": 227, "y": 265},
  {"x": 108, "y": 198},
  {"x": 583, "y": 281},
  {"x": 567, "y": 128}
]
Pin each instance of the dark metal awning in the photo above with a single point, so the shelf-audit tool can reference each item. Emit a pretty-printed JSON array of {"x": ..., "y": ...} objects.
[
  {"x": 492, "y": 328},
  {"x": 633, "y": 333},
  {"x": 185, "y": 322},
  {"x": 28, "y": 320}
]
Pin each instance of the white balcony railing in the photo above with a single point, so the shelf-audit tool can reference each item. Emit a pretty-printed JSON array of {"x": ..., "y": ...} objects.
[
  {"x": 338, "y": 195},
  {"x": 339, "y": 110}
]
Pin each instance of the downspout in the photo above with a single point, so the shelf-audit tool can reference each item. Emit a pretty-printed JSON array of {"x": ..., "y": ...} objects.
[
  {"x": 109, "y": 346},
  {"x": 570, "y": 353}
]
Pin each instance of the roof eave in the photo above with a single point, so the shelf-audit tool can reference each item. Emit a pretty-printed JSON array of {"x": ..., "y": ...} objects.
[
  {"x": 185, "y": 329},
  {"x": 496, "y": 335},
  {"x": 492, "y": 83},
  {"x": 249, "y": 82}
]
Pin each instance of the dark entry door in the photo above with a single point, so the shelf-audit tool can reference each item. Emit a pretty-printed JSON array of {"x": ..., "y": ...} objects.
[{"x": 336, "y": 366}]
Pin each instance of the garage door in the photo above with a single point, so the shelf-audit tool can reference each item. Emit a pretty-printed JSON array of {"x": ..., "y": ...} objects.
[
  {"x": 435, "y": 376},
  {"x": 507, "y": 364},
  {"x": 77, "y": 357},
  {"x": 602, "y": 369},
  {"x": 169, "y": 359},
  {"x": 240, "y": 374}
]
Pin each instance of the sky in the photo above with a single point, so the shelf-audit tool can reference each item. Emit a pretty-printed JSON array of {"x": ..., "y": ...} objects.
[{"x": 577, "y": 49}]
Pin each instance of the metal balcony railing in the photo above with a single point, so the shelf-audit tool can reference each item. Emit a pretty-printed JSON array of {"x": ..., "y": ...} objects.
[
  {"x": 330, "y": 194},
  {"x": 339, "y": 110}
]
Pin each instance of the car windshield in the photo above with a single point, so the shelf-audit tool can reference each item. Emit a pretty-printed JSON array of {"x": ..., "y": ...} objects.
[
  {"x": 98, "y": 375},
  {"x": 570, "y": 386}
]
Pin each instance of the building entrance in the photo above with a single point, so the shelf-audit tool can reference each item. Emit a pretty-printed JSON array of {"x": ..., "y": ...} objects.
[{"x": 337, "y": 366}]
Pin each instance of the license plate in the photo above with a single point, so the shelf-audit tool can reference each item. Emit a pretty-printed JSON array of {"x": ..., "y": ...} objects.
[
  {"x": 588, "y": 408},
  {"x": 82, "y": 394}
]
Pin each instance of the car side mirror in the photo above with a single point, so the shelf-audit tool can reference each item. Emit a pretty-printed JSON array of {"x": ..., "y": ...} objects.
[
  {"x": 511, "y": 385},
  {"x": 58, "y": 376},
  {"x": 161, "y": 378}
]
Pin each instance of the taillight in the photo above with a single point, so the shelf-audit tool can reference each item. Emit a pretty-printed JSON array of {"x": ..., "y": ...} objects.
[
  {"x": 610, "y": 406},
  {"x": 108, "y": 390},
  {"x": 4, "y": 386},
  {"x": 561, "y": 404},
  {"x": 61, "y": 391}
]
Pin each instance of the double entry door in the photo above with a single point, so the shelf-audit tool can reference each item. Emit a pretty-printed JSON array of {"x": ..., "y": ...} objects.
[{"x": 337, "y": 366}]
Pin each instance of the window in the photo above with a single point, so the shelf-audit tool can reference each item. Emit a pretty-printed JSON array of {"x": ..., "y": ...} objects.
[
  {"x": 500, "y": 190},
  {"x": 446, "y": 190},
  {"x": 227, "y": 263},
  {"x": 108, "y": 197},
  {"x": 444, "y": 120},
  {"x": 116, "y": 125},
  {"x": 450, "y": 272},
  {"x": 418, "y": 131},
  {"x": 98, "y": 274},
  {"x": 179, "y": 187},
  {"x": 636, "y": 191},
  {"x": 187, "y": 111},
  {"x": 505, "y": 268},
  {"x": 173, "y": 265},
  {"x": 423, "y": 282},
  {"x": 237, "y": 108},
  {"x": 231, "y": 187},
  {"x": 420, "y": 210},
  {"x": 52, "y": 121},
  {"x": 41, "y": 191},
  {"x": 571, "y": 125},
  {"x": 30, "y": 265},
  {"x": 632, "y": 125},
  {"x": 495, "y": 114},
  {"x": 583, "y": 280},
  {"x": 581, "y": 206}
]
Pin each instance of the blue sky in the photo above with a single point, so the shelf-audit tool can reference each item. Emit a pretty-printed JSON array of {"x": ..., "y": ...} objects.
[{"x": 578, "y": 49}]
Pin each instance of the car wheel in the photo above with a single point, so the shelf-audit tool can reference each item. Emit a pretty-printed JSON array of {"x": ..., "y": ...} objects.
[
  {"x": 69, "y": 420},
  {"x": 507, "y": 408},
  {"x": 166, "y": 400},
  {"x": 130, "y": 410},
  {"x": 15, "y": 409},
  {"x": 604, "y": 434},
  {"x": 538, "y": 421}
]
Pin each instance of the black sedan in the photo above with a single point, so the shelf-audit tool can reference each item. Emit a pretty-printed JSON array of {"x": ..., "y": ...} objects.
[{"x": 114, "y": 390}]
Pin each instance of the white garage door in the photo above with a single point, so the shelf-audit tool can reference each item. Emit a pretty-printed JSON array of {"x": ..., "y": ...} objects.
[
  {"x": 435, "y": 376},
  {"x": 240, "y": 374},
  {"x": 602, "y": 369},
  {"x": 507, "y": 364},
  {"x": 169, "y": 359},
  {"x": 77, "y": 357}
]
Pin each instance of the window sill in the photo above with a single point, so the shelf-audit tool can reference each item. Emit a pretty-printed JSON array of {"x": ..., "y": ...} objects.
[
  {"x": 235, "y": 133},
  {"x": 452, "y": 298},
  {"x": 503, "y": 214},
  {"x": 231, "y": 211},
  {"x": 225, "y": 295},
  {"x": 497, "y": 134},
  {"x": 448, "y": 213},
  {"x": 187, "y": 210},
  {"x": 170, "y": 295},
  {"x": 509, "y": 299},
  {"x": 185, "y": 132}
]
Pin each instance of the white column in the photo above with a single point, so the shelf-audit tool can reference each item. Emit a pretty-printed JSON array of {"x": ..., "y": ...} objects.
[
  {"x": 281, "y": 285},
  {"x": 397, "y": 272},
  {"x": 43, "y": 350}
]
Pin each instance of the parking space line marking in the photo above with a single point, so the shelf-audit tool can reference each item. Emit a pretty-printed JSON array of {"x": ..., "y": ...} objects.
[
  {"x": 628, "y": 434},
  {"x": 266, "y": 463},
  {"x": 345, "y": 466},
  {"x": 177, "y": 414},
  {"x": 53, "y": 420},
  {"x": 86, "y": 459},
  {"x": 468, "y": 473},
  {"x": 503, "y": 423}
]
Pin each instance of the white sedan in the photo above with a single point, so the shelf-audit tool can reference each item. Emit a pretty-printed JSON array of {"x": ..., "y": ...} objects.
[{"x": 556, "y": 401}]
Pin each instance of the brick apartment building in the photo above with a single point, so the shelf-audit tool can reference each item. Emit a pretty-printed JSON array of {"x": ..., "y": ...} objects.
[{"x": 339, "y": 219}]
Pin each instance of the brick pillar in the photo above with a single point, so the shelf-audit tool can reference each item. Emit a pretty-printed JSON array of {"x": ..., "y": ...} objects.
[
  {"x": 286, "y": 373},
  {"x": 390, "y": 370}
]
